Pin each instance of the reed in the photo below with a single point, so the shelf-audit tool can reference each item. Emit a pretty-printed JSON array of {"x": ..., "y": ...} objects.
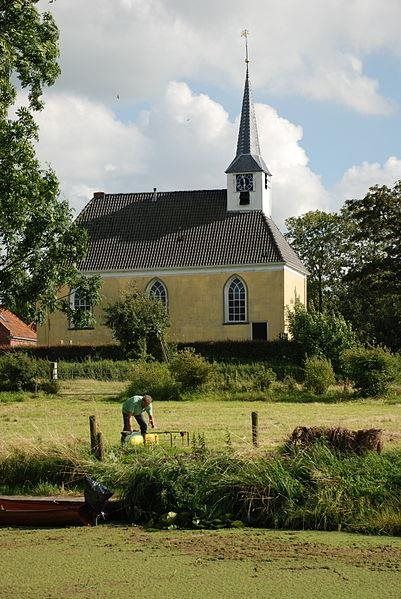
[{"x": 314, "y": 488}]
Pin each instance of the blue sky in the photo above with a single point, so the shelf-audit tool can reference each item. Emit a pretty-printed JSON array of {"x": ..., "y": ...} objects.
[{"x": 326, "y": 80}]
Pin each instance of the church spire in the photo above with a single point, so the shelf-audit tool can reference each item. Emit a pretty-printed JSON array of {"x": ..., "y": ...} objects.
[
  {"x": 248, "y": 150},
  {"x": 248, "y": 178},
  {"x": 248, "y": 140}
]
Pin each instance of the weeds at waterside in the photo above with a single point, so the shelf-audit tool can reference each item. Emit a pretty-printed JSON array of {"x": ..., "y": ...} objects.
[{"x": 314, "y": 489}]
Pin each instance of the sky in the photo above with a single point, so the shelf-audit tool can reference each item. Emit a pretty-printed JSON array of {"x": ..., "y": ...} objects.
[{"x": 151, "y": 90}]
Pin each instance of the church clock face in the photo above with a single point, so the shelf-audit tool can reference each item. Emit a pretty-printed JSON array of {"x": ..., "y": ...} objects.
[{"x": 244, "y": 182}]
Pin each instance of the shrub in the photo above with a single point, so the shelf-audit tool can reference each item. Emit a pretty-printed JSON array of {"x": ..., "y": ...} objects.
[
  {"x": 70, "y": 353},
  {"x": 50, "y": 387},
  {"x": 12, "y": 397},
  {"x": 239, "y": 378},
  {"x": 18, "y": 372},
  {"x": 321, "y": 333},
  {"x": 371, "y": 370},
  {"x": 190, "y": 369},
  {"x": 290, "y": 383},
  {"x": 319, "y": 374},
  {"x": 264, "y": 379},
  {"x": 153, "y": 379},
  {"x": 287, "y": 370}
]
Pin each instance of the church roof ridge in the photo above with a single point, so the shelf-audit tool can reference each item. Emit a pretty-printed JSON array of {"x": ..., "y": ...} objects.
[{"x": 161, "y": 191}]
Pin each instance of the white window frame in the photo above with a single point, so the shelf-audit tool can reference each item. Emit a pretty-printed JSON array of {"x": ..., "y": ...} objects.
[
  {"x": 149, "y": 291},
  {"x": 226, "y": 301},
  {"x": 73, "y": 306}
]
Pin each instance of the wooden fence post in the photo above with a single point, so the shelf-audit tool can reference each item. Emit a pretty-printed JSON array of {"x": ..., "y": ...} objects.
[
  {"x": 255, "y": 430},
  {"x": 99, "y": 446},
  {"x": 93, "y": 433}
]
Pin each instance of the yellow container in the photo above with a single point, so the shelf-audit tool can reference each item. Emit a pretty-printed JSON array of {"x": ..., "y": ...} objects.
[
  {"x": 137, "y": 439},
  {"x": 151, "y": 438}
]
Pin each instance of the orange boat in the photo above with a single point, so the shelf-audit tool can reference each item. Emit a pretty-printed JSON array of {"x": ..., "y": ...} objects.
[{"x": 19, "y": 510}]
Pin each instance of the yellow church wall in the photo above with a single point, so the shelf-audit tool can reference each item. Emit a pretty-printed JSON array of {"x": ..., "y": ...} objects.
[
  {"x": 196, "y": 307},
  {"x": 294, "y": 290}
]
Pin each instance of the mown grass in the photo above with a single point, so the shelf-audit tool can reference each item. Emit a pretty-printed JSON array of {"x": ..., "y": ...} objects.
[{"x": 58, "y": 419}]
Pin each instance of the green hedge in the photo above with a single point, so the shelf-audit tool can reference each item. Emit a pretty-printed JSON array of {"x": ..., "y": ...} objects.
[
  {"x": 100, "y": 370},
  {"x": 70, "y": 353},
  {"x": 282, "y": 350}
]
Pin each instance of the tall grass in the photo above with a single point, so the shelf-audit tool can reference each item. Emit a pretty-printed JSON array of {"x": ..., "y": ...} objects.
[
  {"x": 26, "y": 466},
  {"x": 315, "y": 489}
]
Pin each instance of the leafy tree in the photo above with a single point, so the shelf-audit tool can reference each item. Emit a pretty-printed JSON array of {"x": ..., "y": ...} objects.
[
  {"x": 371, "y": 370},
  {"x": 320, "y": 240},
  {"x": 371, "y": 295},
  {"x": 354, "y": 260},
  {"x": 40, "y": 244},
  {"x": 321, "y": 334},
  {"x": 136, "y": 319}
]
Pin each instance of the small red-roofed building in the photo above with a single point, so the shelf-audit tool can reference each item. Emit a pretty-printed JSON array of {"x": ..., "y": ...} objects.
[{"x": 13, "y": 331}]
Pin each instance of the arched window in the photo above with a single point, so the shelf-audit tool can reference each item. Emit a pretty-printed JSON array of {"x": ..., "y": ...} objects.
[
  {"x": 235, "y": 300},
  {"x": 158, "y": 290},
  {"x": 82, "y": 310}
]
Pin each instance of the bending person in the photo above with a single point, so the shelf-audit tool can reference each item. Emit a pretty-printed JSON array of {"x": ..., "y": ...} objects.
[{"x": 135, "y": 406}]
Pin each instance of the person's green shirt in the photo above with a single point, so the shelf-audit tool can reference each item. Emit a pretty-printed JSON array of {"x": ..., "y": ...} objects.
[{"x": 134, "y": 405}]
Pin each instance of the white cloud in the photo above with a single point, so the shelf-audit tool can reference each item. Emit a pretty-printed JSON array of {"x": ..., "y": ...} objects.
[
  {"x": 356, "y": 180},
  {"x": 316, "y": 49},
  {"x": 88, "y": 147},
  {"x": 185, "y": 141},
  {"x": 296, "y": 188},
  {"x": 344, "y": 82}
]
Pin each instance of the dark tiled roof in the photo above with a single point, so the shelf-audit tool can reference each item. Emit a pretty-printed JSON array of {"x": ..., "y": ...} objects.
[
  {"x": 140, "y": 231},
  {"x": 248, "y": 163}
]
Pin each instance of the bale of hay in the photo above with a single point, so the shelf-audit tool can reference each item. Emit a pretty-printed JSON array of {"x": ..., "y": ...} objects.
[{"x": 340, "y": 439}]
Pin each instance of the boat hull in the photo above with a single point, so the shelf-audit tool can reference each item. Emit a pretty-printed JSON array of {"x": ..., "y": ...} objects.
[{"x": 46, "y": 511}]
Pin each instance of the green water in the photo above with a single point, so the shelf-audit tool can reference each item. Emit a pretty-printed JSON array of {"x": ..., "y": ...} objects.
[{"x": 123, "y": 561}]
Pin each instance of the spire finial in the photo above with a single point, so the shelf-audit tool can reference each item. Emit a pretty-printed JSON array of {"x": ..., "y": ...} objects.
[{"x": 245, "y": 34}]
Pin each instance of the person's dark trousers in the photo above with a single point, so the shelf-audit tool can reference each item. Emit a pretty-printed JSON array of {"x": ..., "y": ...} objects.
[{"x": 142, "y": 424}]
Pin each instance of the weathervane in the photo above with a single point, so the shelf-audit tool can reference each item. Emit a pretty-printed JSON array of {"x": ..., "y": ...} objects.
[{"x": 245, "y": 34}]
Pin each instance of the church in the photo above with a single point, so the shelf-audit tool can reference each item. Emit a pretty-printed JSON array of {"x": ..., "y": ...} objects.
[{"x": 214, "y": 257}]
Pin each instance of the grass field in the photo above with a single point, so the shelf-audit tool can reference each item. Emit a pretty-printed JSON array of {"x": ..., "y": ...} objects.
[
  {"x": 120, "y": 561},
  {"x": 57, "y": 418}
]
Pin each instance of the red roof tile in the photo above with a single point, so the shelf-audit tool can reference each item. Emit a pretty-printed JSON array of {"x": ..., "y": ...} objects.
[{"x": 16, "y": 327}]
